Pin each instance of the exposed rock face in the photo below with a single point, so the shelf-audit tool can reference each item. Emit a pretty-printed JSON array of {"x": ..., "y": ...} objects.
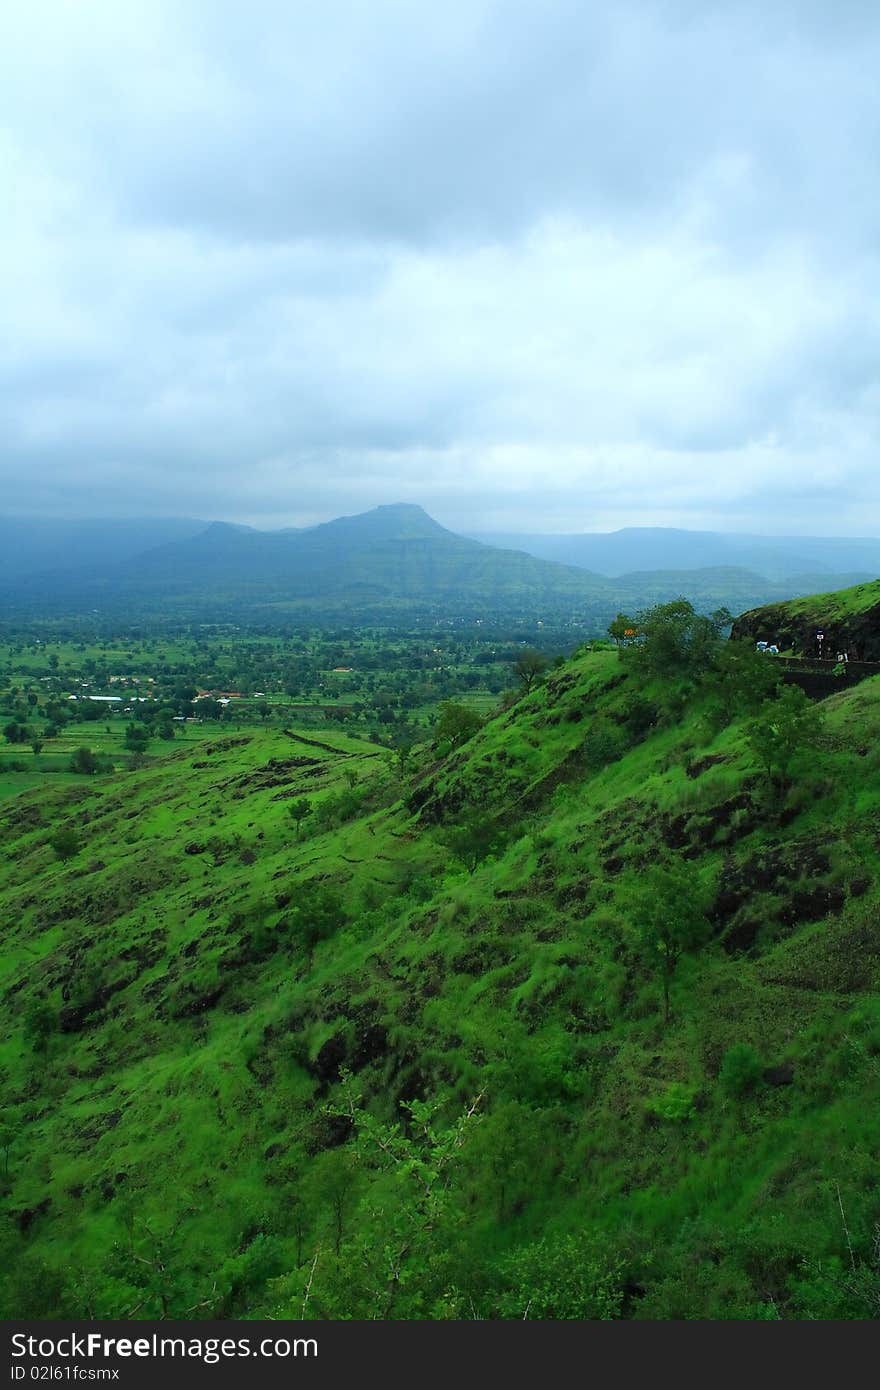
[{"x": 857, "y": 633}]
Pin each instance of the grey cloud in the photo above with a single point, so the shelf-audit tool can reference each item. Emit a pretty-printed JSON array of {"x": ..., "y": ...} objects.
[{"x": 530, "y": 264}]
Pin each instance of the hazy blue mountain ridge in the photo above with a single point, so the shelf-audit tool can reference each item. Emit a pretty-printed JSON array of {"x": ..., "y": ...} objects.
[{"x": 392, "y": 559}]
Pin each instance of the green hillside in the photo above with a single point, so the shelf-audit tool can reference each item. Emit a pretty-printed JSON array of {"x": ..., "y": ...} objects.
[
  {"x": 408, "y": 1058},
  {"x": 849, "y": 618}
]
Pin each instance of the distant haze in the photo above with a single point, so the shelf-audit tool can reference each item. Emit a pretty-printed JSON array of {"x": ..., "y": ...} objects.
[{"x": 538, "y": 267}]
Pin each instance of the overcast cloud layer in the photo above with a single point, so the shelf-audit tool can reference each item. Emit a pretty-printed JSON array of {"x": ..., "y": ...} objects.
[{"x": 534, "y": 267}]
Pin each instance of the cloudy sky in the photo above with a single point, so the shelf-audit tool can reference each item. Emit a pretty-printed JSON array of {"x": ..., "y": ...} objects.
[{"x": 535, "y": 264}]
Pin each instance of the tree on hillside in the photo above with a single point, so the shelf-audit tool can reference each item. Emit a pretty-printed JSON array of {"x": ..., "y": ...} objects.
[
  {"x": 403, "y": 749},
  {"x": 65, "y": 843},
  {"x": 298, "y": 811},
  {"x": 673, "y": 638},
  {"x": 456, "y": 724},
  {"x": 8, "y": 1134},
  {"x": 783, "y": 731},
  {"x": 529, "y": 666},
  {"x": 668, "y": 909},
  {"x": 316, "y": 915},
  {"x": 739, "y": 680},
  {"x": 333, "y": 1183},
  {"x": 472, "y": 840},
  {"x": 416, "y": 1166},
  {"x": 623, "y": 629}
]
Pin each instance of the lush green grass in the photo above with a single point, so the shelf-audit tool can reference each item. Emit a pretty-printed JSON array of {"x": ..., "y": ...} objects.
[
  {"x": 21, "y": 768},
  {"x": 13, "y": 783},
  {"x": 182, "y": 1007},
  {"x": 840, "y": 605}
]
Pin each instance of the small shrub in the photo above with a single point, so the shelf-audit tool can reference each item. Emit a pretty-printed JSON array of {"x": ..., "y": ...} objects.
[
  {"x": 603, "y": 744},
  {"x": 741, "y": 1069},
  {"x": 568, "y": 1278},
  {"x": 40, "y": 1022},
  {"x": 676, "y": 1104}
]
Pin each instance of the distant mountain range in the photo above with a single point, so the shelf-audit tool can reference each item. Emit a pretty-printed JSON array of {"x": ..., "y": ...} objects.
[
  {"x": 617, "y": 553},
  {"x": 386, "y": 563}
]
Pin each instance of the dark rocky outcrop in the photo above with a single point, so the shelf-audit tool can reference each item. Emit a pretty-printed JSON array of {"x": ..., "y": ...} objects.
[{"x": 795, "y": 626}]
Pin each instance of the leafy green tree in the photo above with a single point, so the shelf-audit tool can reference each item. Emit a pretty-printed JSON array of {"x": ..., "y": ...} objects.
[
  {"x": 456, "y": 724},
  {"x": 137, "y": 737},
  {"x": 528, "y": 667},
  {"x": 299, "y": 811},
  {"x": 416, "y": 1207},
  {"x": 8, "y": 1135},
  {"x": 403, "y": 750},
  {"x": 85, "y": 762},
  {"x": 784, "y": 731},
  {"x": 738, "y": 681},
  {"x": 65, "y": 842},
  {"x": 182, "y": 696},
  {"x": 316, "y": 915},
  {"x": 148, "y": 1273},
  {"x": 472, "y": 840},
  {"x": 668, "y": 908},
  {"x": 504, "y": 1155},
  {"x": 674, "y": 639},
  {"x": 333, "y": 1182},
  {"x": 335, "y": 809},
  {"x": 623, "y": 629}
]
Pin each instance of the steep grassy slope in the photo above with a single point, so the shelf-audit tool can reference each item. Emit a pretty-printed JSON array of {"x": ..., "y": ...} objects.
[{"x": 211, "y": 1026}]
